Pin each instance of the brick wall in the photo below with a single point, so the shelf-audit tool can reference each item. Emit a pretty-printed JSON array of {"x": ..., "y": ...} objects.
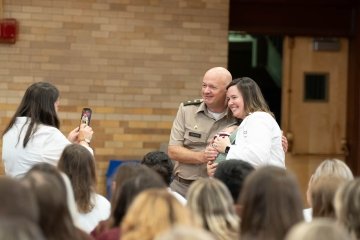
[{"x": 131, "y": 61}]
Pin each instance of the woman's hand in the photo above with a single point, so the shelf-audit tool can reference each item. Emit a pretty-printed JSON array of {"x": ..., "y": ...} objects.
[
  {"x": 211, "y": 168},
  {"x": 220, "y": 143},
  {"x": 73, "y": 135},
  {"x": 85, "y": 133},
  {"x": 210, "y": 153}
]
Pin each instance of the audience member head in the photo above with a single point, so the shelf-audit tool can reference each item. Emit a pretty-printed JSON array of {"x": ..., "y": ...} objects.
[
  {"x": 161, "y": 163},
  {"x": 332, "y": 167},
  {"x": 152, "y": 212},
  {"x": 17, "y": 228},
  {"x": 185, "y": 233},
  {"x": 323, "y": 190},
  {"x": 79, "y": 165},
  {"x": 64, "y": 179},
  {"x": 39, "y": 103},
  {"x": 233, "y": 173},
  {"x": 347, "y": 206},
  {"x": 125, "y": 171},
  {"x": 271, "y": 204},
  {"x": 17, "y": 200},
  {"x": 211, "y": 201},
  {"x": 50, "y": 193},
  {"x": 318, "y": 229},
  {"x": 146, "y": 178}
]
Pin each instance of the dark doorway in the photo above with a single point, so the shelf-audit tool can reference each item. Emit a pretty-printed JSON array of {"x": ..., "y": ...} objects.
[{"x": 260, "y": 58}]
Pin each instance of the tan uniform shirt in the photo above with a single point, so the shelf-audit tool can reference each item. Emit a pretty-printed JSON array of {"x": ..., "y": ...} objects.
[{"x": 193, "y": 128}]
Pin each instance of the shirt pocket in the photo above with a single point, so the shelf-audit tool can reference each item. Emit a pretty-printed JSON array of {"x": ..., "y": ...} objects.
[{"x": 195, "y": 138}]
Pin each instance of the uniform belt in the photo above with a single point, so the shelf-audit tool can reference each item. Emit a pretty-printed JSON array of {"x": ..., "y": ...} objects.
[{"x": 182, "y": 180}]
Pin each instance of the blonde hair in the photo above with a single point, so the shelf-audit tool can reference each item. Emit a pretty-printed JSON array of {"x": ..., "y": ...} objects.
[
  {"x": 333, "y": 167},
  {"x": 347, "y": 206},
  {"x": 322, "y": 195},
  {"x": 185, "y": 233},
  {"x": 210, "y": 199},
  {"x": 318, "y": 229},
  {"x": 329, "y": 167},
  {"x": 152, "y": 212}
]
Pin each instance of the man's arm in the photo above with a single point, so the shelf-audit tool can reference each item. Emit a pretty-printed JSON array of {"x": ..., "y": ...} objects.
[{"x": 184, "y": 155}]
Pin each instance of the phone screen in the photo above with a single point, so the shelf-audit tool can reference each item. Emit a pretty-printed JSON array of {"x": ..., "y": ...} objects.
[{"x": 85, "y": 116}]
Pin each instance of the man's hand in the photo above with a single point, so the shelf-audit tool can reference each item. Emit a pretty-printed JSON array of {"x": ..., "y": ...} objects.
[
  {"x": 210, "y": 153},
  {"x": 211, "y": 168}
]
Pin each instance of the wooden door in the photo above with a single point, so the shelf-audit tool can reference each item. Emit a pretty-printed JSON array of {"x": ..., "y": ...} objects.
[{"x": 313, "y": 104}]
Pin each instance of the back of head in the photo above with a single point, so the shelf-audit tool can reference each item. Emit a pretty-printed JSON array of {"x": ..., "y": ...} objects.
[
  {"x": 17, "y": 200},
  {"x": 252, "y": 96},
  {"x": 347, "y": 207},
  {"x": 50, "y": 193},
  {"x": 130, "y": 188},
  {"x": 322, "y": 195},
  {"x": 185, "y": 233},
  {"x": 63, "y": 179},
  {"x": 233, "y": 173},
  {"x": 329, "y": 167},
  {"x": 161, "y": 163},
  {"x": 211, "y": 201},
  {"x": 152, "y": 212},
  {"x": 334, "y": 167},
  {"x": 270, "y": 195},
  {"x": 19, "y": 229},
  {"x": 124, "y": 172},
  {"x": 38, "y": 103},
  {"x": 79, "y": 165},
  {"x": 318, "y": 229}
]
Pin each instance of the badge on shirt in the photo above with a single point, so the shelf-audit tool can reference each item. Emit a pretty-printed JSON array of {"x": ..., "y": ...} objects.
[{"x": 192, "y": 134}]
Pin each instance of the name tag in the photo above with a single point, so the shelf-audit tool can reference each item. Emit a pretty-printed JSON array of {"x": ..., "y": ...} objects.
[{"x": 197, "y": 135}]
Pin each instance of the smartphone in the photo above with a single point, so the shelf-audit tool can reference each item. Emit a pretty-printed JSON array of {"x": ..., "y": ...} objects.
[{"x": 85, "y": 117}]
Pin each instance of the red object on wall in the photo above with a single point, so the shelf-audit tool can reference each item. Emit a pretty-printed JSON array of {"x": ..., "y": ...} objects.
[{"x": 8, "y": 30}]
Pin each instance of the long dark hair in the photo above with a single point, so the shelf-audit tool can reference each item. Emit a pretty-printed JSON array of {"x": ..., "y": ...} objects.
[
  {"x": 79, "y": 165},
  {"x": 38, "y": 104}
]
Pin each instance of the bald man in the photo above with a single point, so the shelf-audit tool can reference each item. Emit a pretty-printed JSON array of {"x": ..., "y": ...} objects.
[{"x": 196, "y": 123}]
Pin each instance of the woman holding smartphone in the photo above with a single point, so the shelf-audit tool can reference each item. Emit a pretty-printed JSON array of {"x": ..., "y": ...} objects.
[{"x": 33, "y": 134}]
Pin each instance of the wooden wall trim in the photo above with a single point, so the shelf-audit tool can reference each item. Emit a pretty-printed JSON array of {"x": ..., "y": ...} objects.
[{"x": 353, "y": 103}]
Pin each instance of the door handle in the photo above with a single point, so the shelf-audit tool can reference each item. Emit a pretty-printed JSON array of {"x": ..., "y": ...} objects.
[
  {"x": 344, "y": 146},
  {"x": 290, "y": 140}
]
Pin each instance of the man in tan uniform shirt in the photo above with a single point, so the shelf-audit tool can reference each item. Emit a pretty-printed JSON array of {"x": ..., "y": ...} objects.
[{"x": 196, "y": 123}]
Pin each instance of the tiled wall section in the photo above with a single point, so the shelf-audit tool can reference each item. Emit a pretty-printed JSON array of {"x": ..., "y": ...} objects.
[{"x": 131, "y": 61}]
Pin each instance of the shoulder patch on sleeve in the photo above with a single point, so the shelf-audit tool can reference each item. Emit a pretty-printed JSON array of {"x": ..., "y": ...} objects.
[{"x": 193, "y": 102}]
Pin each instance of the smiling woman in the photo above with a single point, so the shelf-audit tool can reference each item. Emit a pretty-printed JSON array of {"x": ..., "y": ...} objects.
[{"x": 258, "y": 138}]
